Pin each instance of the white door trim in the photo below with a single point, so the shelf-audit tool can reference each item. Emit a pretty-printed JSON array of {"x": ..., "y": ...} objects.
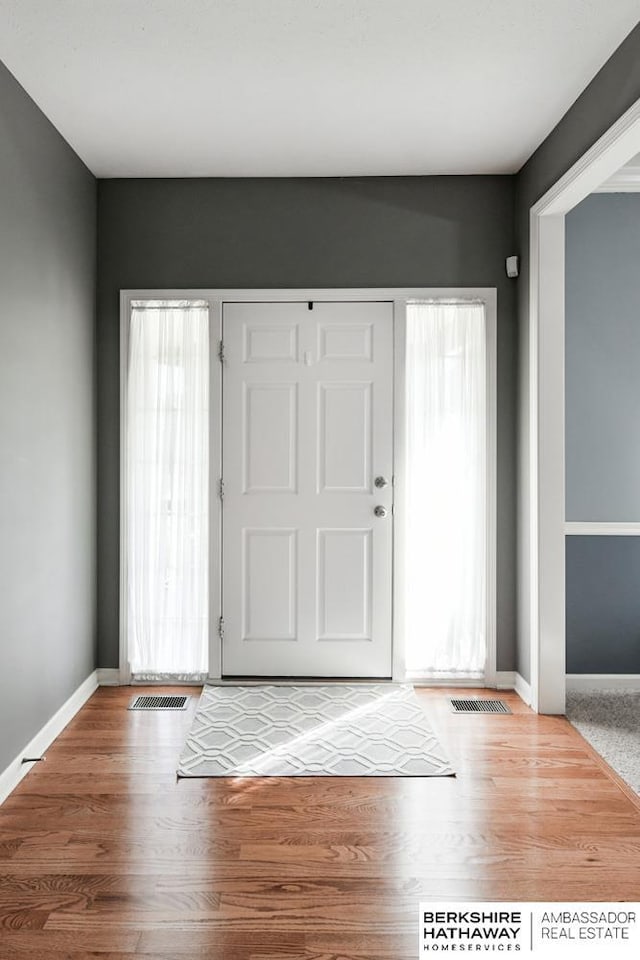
[
  {"x": 399, "y": 296},
  {"x": 123, "y": 644},
  {"x": 544, "y": 581},
  {"x": 491, "y": 674},
  {"x": 576, "y": 528}
]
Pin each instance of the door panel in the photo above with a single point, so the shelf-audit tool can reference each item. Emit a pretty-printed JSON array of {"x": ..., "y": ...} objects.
[
  {"x": 264, "y": 344},
  {"x": 269, "y": 427},
  {"x": 307, "y": 425},
  {"x": 269, "y": 584},
  {"x": 344, "y": 450},
  {"x": 344, "y": 584}
]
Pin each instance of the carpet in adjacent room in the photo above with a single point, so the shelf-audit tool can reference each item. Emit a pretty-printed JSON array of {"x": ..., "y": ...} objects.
[{"x": 610, "y": 721}]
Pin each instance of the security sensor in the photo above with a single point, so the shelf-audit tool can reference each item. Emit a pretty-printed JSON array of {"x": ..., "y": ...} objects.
[{"x": 511, "y": 264}]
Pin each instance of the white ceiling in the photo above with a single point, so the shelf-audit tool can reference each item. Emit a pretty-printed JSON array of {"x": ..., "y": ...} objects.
[{"x": 174, "y": 88}]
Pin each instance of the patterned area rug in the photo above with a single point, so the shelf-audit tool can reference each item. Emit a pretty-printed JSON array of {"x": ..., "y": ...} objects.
[{"x": 333, "y": 730}]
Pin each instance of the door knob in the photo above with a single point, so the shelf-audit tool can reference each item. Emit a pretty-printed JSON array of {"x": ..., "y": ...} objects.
[
  {"x": 380, "y": 511},
  {"x": 380, "y": 482}
]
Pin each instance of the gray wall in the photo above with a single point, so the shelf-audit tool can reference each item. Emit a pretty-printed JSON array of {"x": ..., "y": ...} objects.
[
  {"x": 369, "y": 232},
  {"x": 603, "y": 604},
  {"x": 603, "y": 359},
  {"x": 47, "y": 462},
  {"x": 613, "y": 90}
]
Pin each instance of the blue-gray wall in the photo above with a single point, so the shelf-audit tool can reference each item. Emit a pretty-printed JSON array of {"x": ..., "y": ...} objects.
[
  {"x": 614, "y": 89},
  {"x": 369, "y": 232},
  {"x": 47, "y": 439},
  {"x": 603, "y": 604},
  {"x": 603, "y": 359},
  {"x": 602, "y": 406}
]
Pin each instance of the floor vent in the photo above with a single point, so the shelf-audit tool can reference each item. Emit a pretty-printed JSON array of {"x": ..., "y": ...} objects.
[
  {"x": 480, "y": 706},
  {"x": 158, "y": 703}
]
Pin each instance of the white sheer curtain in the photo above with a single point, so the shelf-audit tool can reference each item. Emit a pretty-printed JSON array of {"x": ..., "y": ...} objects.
[
  {"x": 446, "y": 518},
  {"x": 167, "y": 489}
]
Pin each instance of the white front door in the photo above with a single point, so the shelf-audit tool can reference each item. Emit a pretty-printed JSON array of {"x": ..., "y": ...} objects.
[{"x": 307, "y": 459}]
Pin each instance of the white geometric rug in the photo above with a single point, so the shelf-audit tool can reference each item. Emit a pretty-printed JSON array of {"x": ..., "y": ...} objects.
[{"x": 332, "y": 730}]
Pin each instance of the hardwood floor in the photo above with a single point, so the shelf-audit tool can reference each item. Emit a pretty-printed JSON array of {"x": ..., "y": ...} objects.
[{"x": 103, "y": 853}]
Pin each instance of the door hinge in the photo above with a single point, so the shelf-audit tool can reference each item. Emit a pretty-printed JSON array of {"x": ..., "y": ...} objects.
[
  {"x": 221, "y": 488},
  {"x": 221, "y": 351},
  {"x": 221, "y": 628}
]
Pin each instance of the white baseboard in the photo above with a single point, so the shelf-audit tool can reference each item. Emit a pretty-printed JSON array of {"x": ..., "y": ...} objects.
[
  {"x": 503, "y": 680},
  {"x": 13, "y": 774},
  {"x": 457, "y": 683},
  {"x": 108, "y": 676},
  {"x": 512, "y": 680},
  {"x": 603, "y": 681},
  {"x": 523, "y": 689}
]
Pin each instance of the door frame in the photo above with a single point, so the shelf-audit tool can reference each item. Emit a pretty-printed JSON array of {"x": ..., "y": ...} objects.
[
  {"x": 399, "y": 296},
  {"x": 543, "y": 521}
]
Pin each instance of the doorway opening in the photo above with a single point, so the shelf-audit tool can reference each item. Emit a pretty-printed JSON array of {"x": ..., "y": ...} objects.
[{"x": 544, "y": 518}]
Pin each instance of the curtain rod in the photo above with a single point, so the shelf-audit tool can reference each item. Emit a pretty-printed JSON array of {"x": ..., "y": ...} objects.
[
  {"x": 182, "y": 304},
  {"x": 446, "y": 301},
  {"x": 141, "y": 305}
]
